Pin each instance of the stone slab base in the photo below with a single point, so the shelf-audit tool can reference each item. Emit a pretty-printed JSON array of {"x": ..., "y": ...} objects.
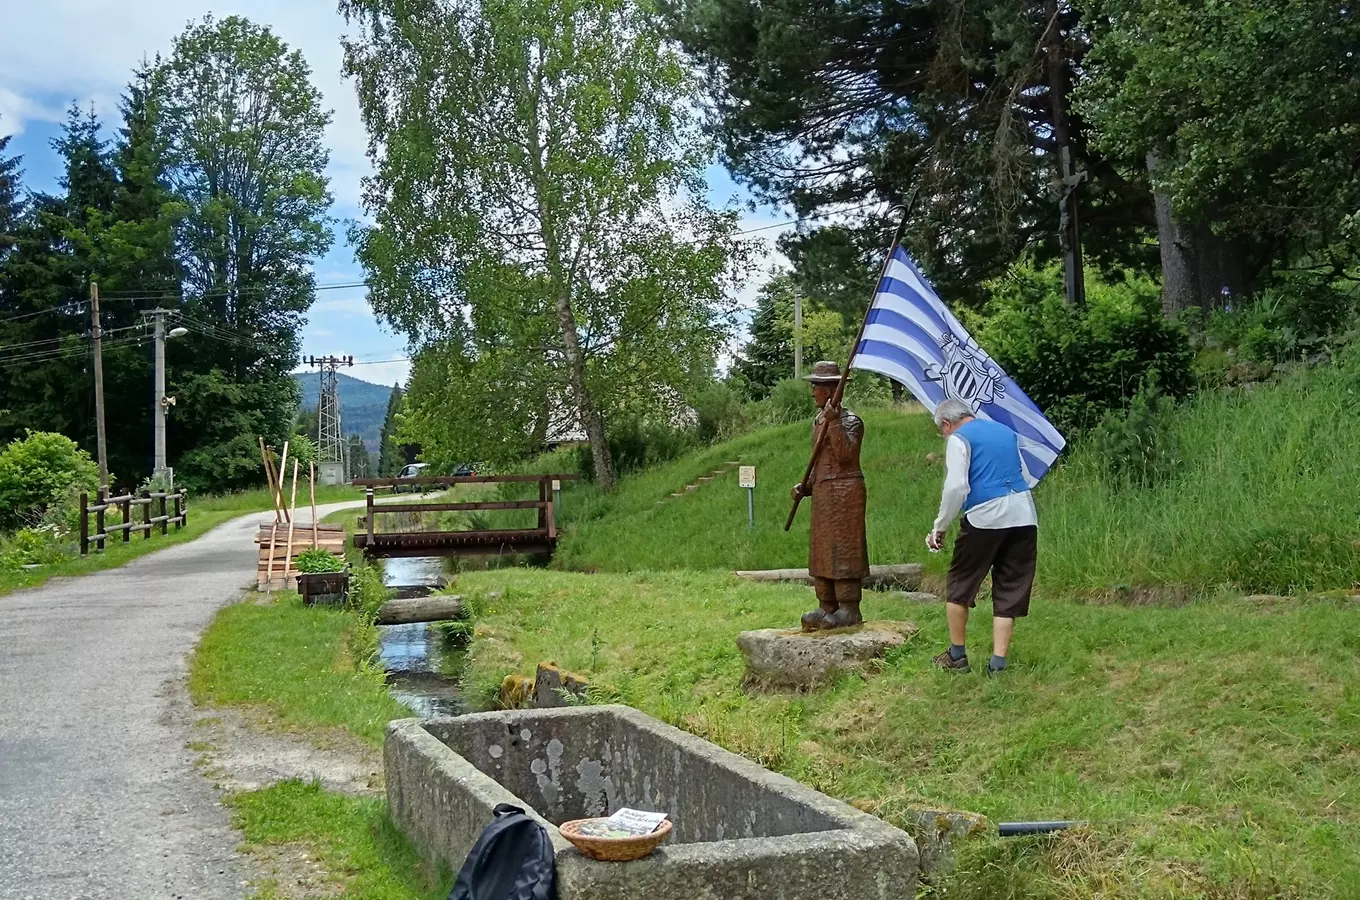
[{"x": 788, "y": 658}]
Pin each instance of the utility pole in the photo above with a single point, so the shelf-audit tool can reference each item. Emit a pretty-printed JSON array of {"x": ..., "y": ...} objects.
[
  {"x": 159, "y": 401},
  {"x": 797, "y": 333},
  {"x": 330, "y": 439},
  {"x": 96, "y": 333}
]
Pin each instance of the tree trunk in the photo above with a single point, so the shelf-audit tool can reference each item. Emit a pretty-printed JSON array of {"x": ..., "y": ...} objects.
[
  {"x": 585, "y": 406},
  {"x": 1059, "y": 87},
  {"x": 1199, "y": 268}
]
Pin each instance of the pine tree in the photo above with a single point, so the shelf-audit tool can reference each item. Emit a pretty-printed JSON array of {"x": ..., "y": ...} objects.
[{"x": 46, "y": 381}]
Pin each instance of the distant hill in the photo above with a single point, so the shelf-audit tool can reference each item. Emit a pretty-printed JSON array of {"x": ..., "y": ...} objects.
[{"x": 363, "y": 405}]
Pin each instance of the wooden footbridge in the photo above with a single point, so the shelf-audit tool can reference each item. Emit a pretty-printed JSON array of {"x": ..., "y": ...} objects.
[{"x": 541, "y": 539}]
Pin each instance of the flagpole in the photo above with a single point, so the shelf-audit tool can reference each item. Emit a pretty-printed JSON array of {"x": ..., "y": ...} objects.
[{"x": 835, "y": 400}]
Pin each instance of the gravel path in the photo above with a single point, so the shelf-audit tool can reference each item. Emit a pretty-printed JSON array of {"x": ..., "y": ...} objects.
[{"x": 99, "y": 797}]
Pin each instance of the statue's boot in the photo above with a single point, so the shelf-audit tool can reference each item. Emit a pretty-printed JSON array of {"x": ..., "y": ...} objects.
[
  {"x": 846, "y": 616},
  {"x": 819, "y": 618}
]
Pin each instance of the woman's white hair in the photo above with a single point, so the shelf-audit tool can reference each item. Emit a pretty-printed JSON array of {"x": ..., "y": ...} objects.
[{"x": 951, "y": 410}]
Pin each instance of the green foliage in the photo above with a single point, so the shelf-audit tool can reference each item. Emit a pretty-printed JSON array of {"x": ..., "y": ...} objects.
[
  {"x": 1292, "y": 320},
  {"x": 1078, "y": 363},
  {"x": 292, "y": 660},
  {"x": 864, "y": 101},
  {"x": 40, "y": 472},
  {"x": 357, "y": 458},
  {"x": 213, "y": 192},
  {"x": 790, "y": 401},
  {"x": 1250, "y": 106},
  {"x": 542, "y": 156},
  {"x": 367, "y": 593},
  {"x": 41, "y": 545},
  {"x": 1137, "y": 445},
  {"x": 303, "y": 449},
  {"x": 350, "y": 839},
  {"x": 317, "y": 560},
  {"x": 390, "y": 454},
  {"x": 768, "y": 356},
  {"x": 719, "y": 412},
  {"x": 637, "y": 444}
]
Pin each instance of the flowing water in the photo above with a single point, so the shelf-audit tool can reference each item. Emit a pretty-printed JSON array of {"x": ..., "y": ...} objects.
[{"x": 412, "y": 654}]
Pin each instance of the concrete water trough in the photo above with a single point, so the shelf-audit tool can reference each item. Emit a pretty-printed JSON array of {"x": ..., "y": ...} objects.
[{"x": 741, "y": 832}]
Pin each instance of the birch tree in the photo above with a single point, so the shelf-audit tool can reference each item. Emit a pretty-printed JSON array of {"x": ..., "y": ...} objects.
[{"x": 537, "y": 159}]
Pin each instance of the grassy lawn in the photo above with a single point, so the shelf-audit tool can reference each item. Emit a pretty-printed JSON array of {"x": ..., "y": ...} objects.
[
  {"x": 303, "y": 666},
  {"x": 1213, "y": 745},
  {"x": 364, "y": 855},
  {"x": 205, "y": 513},
  {"x": 299, "y": 668}
]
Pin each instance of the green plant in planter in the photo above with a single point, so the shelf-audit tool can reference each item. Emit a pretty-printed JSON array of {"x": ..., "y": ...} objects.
[{"x": 314, "y": 561}]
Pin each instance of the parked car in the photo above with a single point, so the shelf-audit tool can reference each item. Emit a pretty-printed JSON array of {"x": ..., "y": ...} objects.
[
  {"x": 412, "y": 471},
  {"x": 465, "y": 470}
]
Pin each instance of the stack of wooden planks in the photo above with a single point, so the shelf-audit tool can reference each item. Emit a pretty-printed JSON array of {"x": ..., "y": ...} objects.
[
  {"x": 284, "y": 538},
  {"x": 273, "y": 540}
]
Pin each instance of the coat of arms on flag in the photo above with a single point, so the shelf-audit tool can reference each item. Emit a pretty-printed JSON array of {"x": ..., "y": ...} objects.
[{"x": 911, "y": 337}]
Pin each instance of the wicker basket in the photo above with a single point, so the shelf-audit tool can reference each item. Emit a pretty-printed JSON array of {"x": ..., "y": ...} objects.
[{"x": 614, "y": 849}]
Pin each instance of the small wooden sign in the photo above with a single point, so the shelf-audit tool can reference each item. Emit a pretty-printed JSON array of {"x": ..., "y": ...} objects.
[{"x": 746, "y": 476}]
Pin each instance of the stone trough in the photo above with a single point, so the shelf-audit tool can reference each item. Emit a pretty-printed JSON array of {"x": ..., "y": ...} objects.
[{"x": 741, "y": 832}]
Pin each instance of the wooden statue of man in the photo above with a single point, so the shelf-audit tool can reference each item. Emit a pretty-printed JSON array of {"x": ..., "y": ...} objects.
[{"x": 838, "y": 552}]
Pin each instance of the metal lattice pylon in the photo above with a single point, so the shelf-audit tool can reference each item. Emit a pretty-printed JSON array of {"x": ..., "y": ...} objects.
[{"x": 330, "y": 442}]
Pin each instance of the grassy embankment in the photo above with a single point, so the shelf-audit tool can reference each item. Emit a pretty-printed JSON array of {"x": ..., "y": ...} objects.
[
  {"x": 1211, "y": 741},
  {"x": 1210, "y": 738},
  {"x": 1266, "y": 500},
  {"x": 205, "y": 514}
]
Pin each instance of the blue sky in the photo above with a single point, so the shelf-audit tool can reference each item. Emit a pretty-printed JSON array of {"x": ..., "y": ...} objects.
[{"x": 57, "y": 51}]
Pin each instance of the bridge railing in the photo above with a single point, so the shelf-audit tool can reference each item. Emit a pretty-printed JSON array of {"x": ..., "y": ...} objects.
[{"x": 467, "y": 540}]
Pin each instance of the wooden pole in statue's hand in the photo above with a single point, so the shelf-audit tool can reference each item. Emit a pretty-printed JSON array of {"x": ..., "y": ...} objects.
[{"x": 818, "y": 440}]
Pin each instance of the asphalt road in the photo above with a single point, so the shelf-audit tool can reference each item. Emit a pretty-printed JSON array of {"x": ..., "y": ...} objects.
[{"x": 99, "y": 797}]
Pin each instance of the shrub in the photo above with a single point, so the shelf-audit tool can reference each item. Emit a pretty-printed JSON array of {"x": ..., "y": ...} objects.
[
  {"x": 43, "y": 545},
  {"x": 1138, "y": 446},
  {"x": 1292, "y": 320},
  {"x": 719, "y": 412},
  {"x": 635, "y": 444},
  {"x": 318, "y": 560},
  {"x": 790, "y": 401},
  {"x": 1078, "y": 363},
  {"x": 41, "y": 472}
]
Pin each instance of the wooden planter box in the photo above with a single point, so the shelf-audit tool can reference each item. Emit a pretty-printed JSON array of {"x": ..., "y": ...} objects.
[{"x": 328, "y": 588}]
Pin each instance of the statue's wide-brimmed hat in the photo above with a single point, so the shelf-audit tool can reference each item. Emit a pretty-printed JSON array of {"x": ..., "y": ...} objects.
[{"x": 824, "y": 372}]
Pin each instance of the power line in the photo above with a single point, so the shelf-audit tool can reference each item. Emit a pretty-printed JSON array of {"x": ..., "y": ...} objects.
[
  {"x": 70, "y": 308},
  {"x": 350, "y": 285}
]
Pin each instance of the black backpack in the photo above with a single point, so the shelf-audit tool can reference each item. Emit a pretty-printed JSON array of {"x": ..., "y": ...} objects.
[{"x": 512, "y": 860}]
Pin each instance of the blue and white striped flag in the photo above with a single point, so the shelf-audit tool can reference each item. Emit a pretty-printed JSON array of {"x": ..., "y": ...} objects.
[{"x": 914, "y": 339}]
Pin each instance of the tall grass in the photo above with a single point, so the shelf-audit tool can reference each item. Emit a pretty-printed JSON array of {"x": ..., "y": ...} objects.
[{"x": 1266, "y": 499}]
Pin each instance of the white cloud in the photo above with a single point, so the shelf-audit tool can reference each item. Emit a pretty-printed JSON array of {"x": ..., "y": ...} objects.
[
  {"x": 16, "y": 110},
  {"x": 85, "y": 50}
]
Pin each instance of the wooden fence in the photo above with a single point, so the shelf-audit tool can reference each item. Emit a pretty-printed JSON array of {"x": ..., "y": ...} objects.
[{"x": 151, "y": 518}]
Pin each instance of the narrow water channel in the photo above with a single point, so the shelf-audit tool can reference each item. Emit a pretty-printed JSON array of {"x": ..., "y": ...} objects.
[{"x": 416, "y": 663}]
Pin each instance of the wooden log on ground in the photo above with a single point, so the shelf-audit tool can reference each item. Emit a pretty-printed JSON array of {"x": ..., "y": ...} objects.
[
  {"x": 903, "y": 575},
  {"x": 425, "y": 609}
]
